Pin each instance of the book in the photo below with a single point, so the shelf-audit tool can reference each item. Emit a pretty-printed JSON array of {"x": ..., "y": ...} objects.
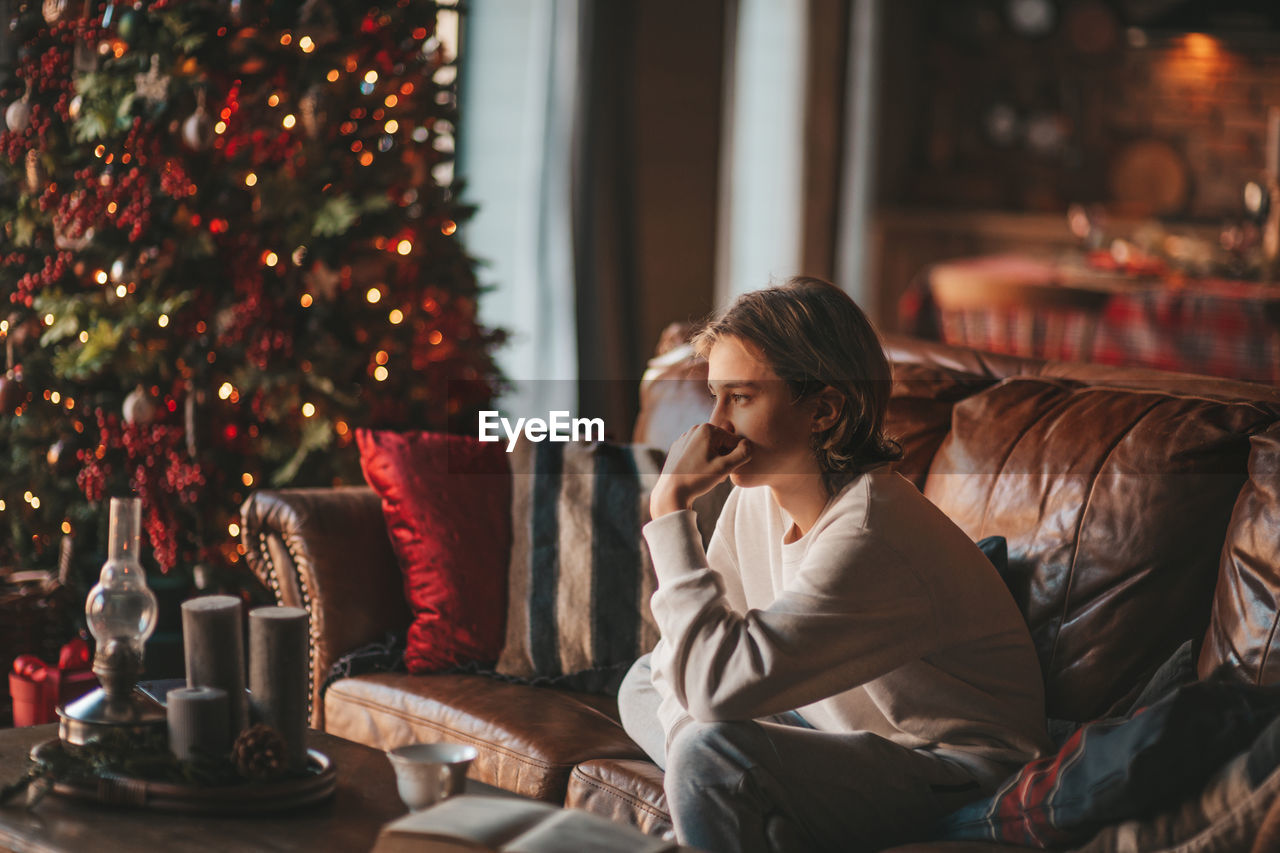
[{"x": 474, "y": 822}]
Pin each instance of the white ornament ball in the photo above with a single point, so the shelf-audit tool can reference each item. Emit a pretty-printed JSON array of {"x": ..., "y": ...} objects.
[
  {"x": 138, "y": 407},
  {"x": 18, "y": 116},
  {"x": 197, "y": 130}
]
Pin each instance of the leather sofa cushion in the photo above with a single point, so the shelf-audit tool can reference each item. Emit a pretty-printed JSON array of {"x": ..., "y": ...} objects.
[
  {"x": 919, "y": 415},
  {"x": 628, "y": 792},
  {"x": 1114, "y": 504},
  {"x": 529, "y": 738},
  {"x": 1243, "y": 628}
]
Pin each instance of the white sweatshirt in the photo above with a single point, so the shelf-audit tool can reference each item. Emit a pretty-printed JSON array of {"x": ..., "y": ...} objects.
[{"x": 884, "y": 617}]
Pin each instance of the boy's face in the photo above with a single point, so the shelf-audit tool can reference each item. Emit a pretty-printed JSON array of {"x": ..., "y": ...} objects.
[{"x": 751, "y": 401}]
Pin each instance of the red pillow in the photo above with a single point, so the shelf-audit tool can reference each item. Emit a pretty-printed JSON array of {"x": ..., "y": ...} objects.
[{"x": 447, "y": 502}]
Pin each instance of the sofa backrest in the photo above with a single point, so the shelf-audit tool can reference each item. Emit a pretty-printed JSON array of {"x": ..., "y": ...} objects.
[
  {"x": 1244, "y": 629},
  {"x": 1141, "y": 508}
]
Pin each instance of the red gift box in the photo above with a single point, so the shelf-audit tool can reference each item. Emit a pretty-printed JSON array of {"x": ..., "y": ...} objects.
[{"x": 37, "y": 688}]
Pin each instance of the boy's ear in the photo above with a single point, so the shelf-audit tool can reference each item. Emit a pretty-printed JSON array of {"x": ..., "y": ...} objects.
[{"x": 830, "y": 403}]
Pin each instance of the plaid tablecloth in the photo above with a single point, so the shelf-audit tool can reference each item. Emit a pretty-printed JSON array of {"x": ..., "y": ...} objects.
[{"x": 1214, "y": 327}]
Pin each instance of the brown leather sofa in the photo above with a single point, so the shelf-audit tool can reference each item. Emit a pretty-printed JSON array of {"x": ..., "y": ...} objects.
[{"x": 1140, "y": 508}]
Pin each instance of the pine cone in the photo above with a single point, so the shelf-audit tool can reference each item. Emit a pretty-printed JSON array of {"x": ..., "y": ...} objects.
[{"x": 259, "y": 753}]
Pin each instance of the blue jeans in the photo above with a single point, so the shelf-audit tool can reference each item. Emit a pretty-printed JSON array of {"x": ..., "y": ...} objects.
[{"x": 758, "y": 785}]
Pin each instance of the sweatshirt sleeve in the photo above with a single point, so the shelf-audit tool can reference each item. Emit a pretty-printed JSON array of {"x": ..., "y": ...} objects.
[
  {"x": 672, "y": 713},
  {"x": 854, "y": 611}
]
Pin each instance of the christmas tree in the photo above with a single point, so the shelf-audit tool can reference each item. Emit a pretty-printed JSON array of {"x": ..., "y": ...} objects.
[{"x": 229, "y": 241}]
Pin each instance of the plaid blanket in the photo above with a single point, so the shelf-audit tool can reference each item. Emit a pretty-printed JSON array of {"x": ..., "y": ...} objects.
[
  {"x": 1211, "y": 326},
  {"x": 1119, "y": 769}
]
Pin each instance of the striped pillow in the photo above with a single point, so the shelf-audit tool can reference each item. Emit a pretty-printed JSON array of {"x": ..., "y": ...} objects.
[{"x": 580, "y": 576}]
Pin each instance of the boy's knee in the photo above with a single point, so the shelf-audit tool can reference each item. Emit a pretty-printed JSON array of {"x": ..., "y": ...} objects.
[{"x": 706, "y": 752}]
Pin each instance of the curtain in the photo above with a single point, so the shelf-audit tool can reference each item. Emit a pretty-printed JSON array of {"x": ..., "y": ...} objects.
[{"x": 518, "y": 102}]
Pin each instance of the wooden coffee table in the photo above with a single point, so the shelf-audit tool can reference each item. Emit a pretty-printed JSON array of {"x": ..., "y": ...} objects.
[{"x": 365, "y": 799}]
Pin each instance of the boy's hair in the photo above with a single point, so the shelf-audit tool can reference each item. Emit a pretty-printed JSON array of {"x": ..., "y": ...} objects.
[{"x": 813, "y": 335}]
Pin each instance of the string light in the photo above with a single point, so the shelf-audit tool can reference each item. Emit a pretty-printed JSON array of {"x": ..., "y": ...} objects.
[
  {"x": 286, "y": 39},
  {"x": 112, "y": 207},
  {"x": 100, "y": 276},
  {"x": 366, "y": 159},
  {"x": 289, "y": 121},
  {"x": 448, "y": 227},
  {"x": 273, "y": 100},
  {"x": 381, "y": 356},
  {"x": 308, "y": 409},
  {"x": 391, "y": 100},
  {"x": 305, "y": 300},
  {"x": 333, "y": 75},
  {"x": 246, "y": 478},
  {"x": 66, "y": 527},
  {"x": 435, "y": 337},
  {"x": 220, "y": 127},
  {"x": 233, "y": 529},
  {"x": 371, "y": 77},
  {"x": 306, "y": 44},
  {"x": 226, "y": 390},
  {"x": 121, "y": 290},
  {"x": 250, "y": 179},
  {"x": 404, "y": 247},
  {"x": 396, "y": 317},
  {"x": 391, "y": 126},
  {"x": 48, "y": 319},
  {"x": 270, "y": 259},
  {"x": 380, "y": 373},
  {"x": 84, "y": 337},
  {"x": 373, "y": 295},
  {"x": 55, "y": 398}
]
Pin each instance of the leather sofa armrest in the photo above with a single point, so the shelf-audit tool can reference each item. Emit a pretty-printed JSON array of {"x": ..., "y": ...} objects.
[{"x": 327, "y": 551}]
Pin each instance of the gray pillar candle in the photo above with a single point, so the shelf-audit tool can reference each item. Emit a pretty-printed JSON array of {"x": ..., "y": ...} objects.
[
  {"x": 198, "y": 722},
  {"x": 213, "y": 642},
  {"x": 278, "y": 669}
]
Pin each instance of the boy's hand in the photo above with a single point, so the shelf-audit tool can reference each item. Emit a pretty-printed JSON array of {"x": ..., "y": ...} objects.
[{"x": 699, "y": 459}]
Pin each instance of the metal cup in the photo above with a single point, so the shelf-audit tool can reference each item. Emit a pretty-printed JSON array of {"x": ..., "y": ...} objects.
[{"x": 428, "y": 772}]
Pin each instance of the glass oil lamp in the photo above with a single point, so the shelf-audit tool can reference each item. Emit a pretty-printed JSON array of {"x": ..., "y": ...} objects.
[{"x": 121, "y": 612}]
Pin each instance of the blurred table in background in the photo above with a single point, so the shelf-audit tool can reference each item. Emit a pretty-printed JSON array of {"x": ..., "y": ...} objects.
[{"x": 1070, "y": 311}]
